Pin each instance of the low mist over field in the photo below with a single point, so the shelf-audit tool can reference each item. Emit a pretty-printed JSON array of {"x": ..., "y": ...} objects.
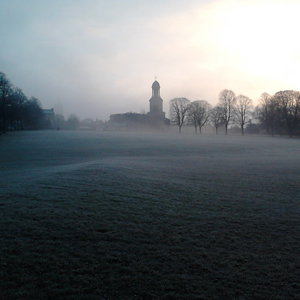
[{"x": 99, "y": 215}]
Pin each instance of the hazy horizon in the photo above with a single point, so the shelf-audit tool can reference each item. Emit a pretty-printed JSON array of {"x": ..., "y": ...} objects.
[{"x": 96, "y": 58}]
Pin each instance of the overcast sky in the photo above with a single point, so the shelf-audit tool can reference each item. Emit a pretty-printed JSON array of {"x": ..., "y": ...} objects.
[{"x": 98, "y": 57}]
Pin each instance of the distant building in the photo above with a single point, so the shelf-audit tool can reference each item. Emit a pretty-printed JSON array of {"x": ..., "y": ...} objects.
[
  {"x": 49, "y": 118},
  {"x": 155, "y": 118}
]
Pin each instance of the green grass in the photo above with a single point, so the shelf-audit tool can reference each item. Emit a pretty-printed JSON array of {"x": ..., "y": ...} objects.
[{"x": 86, "y": 216}]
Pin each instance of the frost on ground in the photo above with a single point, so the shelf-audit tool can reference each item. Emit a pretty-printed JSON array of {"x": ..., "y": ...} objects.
[{"x": 88, "y": 215}]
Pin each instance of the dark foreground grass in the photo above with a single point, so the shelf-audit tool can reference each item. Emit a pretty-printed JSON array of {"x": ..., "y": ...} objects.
[{"x": 126, "y": 217}]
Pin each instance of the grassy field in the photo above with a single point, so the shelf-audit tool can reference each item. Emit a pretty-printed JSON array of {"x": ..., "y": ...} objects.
[{"x": 87, "y": 215}]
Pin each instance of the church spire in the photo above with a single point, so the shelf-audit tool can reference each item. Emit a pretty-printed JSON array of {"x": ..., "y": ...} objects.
[{"x": 155, "y": 89}]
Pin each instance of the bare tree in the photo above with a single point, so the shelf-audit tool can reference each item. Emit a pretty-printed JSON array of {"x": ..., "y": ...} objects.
[
  {"x": 198, "y": 113},
  {"x": 216, "y": 117},
  {"x": 193, "y": 114},
  {"x": 289, "y": 109},
  {"x": 227, "y": 102},
  {"x": 178, "y": 111},
  {"x": 242, "y": 111}
]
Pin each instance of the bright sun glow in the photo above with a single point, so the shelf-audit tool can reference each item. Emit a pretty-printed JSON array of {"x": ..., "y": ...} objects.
[
  {"x": 250, "y": 47},
  {"x": 257, "y": 37}
]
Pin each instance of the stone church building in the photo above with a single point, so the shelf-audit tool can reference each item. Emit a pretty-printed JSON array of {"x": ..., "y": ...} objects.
[{"x": 155, "y": 118}]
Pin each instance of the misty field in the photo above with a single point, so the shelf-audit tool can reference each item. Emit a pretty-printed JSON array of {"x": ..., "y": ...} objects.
[{"x": 99, "y": 215}]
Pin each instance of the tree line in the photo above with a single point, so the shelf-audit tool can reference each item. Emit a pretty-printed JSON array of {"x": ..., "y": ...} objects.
[
  {"x": 277, "y": 114},
  {"x": 17, "y": 112}
]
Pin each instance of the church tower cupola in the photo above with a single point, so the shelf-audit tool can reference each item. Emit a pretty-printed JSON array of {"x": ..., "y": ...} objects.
[
  {"x": 155, "y": 89},
  {"x": 156, "y": 102}
]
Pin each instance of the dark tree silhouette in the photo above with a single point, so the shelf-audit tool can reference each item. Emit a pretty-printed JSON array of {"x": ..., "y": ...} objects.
[
  {"x": 267, "y": 113},
  {"x": 178, "y": 111},
  {"x": 242, "y": 111},
  {"x": 289, "y": 109},
  {"x": 227, "y": 101},
  {"x": 33, "y": 114},
  {"x": 16, "y": 111},
  {"x": 17, "y": 102},
  {"x": 216, "y": 117},
  {"x": 5, "y": 90},
  {"x": 198, "y": 113}
]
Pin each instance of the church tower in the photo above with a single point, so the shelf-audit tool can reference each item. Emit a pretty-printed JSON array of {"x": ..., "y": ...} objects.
[{"x": 156, "y": 102}]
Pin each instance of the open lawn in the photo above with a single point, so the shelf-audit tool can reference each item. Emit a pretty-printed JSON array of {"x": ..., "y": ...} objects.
[{"x": 96, "y": 215}]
